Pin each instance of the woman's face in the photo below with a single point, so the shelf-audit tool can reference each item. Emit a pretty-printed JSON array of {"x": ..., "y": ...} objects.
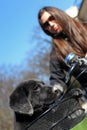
[{"x": 49, "y": 23}]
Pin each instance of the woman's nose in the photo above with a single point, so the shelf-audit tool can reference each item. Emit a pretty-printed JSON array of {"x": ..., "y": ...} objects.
[{"x": 51, "y": 23}]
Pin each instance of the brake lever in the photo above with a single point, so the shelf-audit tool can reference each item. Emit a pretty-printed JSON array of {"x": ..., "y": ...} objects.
[{"x": 68, "y": 74}]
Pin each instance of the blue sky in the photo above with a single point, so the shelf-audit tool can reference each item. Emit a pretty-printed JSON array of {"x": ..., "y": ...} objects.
[{"x": 17, "y": 21}]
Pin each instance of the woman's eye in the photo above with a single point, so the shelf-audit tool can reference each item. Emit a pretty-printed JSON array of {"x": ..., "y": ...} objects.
[
  {"x": 51, "y": 18},
  {"x": 46, "y": 25}
]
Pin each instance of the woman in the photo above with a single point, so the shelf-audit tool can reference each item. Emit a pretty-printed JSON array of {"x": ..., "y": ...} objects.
[{"x": 69, "y": 35}]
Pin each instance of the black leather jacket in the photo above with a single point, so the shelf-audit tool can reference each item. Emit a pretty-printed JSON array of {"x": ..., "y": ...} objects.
[{"x": 57, "y": 73}]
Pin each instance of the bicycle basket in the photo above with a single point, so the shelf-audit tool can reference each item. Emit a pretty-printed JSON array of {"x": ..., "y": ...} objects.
[{"x": 61, "y": 115}]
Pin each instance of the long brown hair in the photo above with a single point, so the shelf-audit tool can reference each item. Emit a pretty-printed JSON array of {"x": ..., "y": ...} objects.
[{"x": 74, "y": 30}]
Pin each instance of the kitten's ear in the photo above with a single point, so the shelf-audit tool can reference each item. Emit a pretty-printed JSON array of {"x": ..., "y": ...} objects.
[{"x": 20, "y": 103}]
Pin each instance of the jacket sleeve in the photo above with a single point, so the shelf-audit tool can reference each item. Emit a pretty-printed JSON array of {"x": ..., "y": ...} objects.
[{"x": 57, "y": 75}]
